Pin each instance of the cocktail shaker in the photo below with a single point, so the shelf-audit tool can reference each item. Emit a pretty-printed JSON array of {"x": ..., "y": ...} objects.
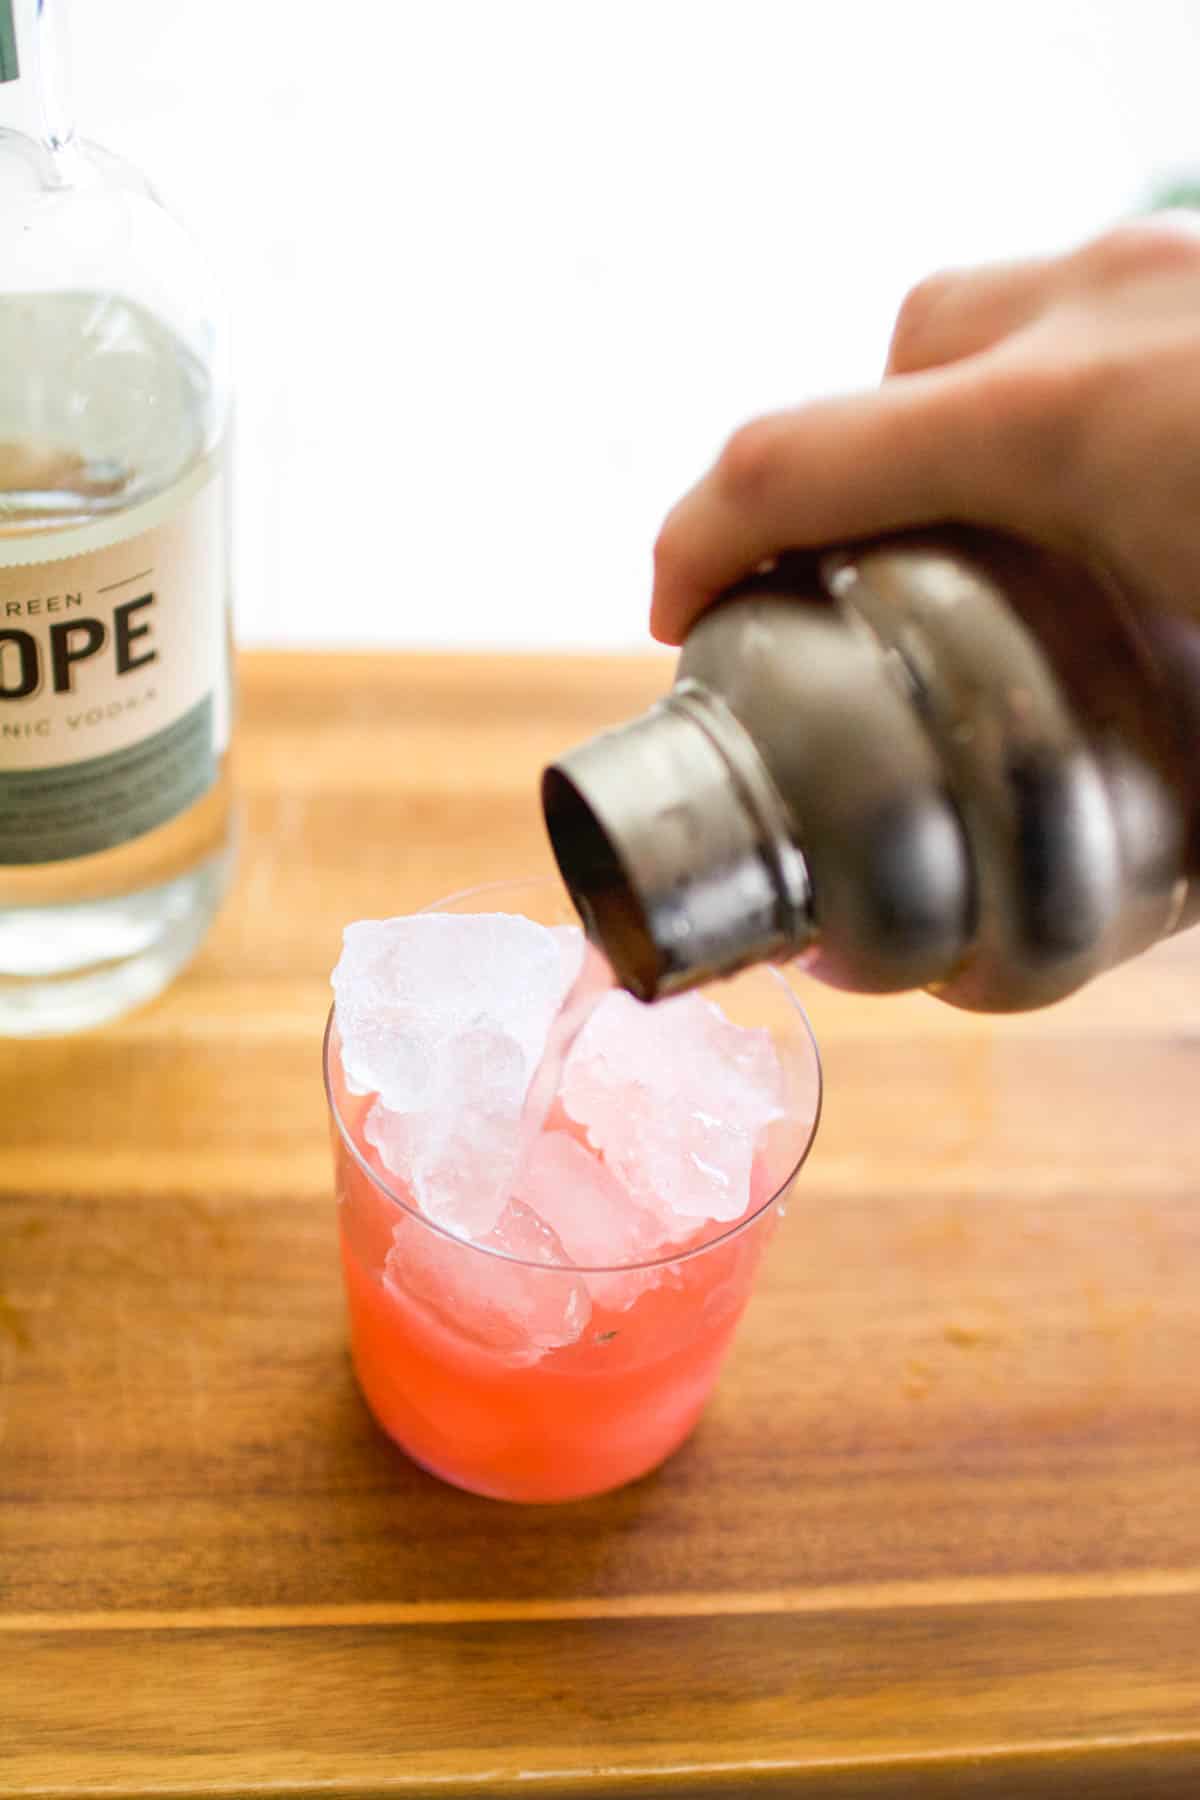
[{"x": 947, "y": 760}]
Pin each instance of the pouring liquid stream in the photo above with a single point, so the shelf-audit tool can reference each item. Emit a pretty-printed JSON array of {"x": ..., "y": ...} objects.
[{"x": 594, "y": 981}]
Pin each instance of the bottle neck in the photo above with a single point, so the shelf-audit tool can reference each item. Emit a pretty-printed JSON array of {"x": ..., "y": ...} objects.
[{"x": 33, "y": 73}]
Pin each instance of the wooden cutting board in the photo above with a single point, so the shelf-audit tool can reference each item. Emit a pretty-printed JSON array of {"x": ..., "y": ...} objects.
[{"x": 938, "y": 1535}]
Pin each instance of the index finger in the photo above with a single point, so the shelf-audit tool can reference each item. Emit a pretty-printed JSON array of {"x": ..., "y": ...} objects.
[{"x": 906, "y": 454}]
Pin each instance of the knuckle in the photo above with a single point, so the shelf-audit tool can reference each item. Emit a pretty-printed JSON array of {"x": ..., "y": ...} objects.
[
  {"x": 747, "y": 465},
  {"x": 915, "y": 319},
  {"x": 1161, "y": 243}
]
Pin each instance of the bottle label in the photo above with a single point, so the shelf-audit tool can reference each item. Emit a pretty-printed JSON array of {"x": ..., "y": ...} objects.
[{"x": 114, "y": 673}]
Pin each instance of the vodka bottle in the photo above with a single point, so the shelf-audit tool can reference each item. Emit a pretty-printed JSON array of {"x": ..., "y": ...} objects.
[{"x": 114, "y": 607}]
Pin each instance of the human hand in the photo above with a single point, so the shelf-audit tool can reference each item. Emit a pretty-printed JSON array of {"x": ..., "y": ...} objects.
[{"x": 1056, "y": 399}]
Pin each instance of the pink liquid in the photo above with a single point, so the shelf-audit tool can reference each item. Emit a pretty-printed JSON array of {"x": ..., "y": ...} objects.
[{"x": 565, "y": 1423}]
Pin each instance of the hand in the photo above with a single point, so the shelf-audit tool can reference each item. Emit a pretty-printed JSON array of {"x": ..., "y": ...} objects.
[{"x": 1056, "y": 399}]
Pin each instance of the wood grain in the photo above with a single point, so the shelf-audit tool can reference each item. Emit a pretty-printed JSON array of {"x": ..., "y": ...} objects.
[{"x": 939, "y": 1533}]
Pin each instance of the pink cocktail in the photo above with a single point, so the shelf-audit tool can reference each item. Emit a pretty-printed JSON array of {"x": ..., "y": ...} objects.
[{"x": 493, "y": 1338}]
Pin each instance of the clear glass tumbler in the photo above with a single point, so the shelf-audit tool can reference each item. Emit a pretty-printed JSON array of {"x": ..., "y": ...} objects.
[{"x": 445, "y": 1333}]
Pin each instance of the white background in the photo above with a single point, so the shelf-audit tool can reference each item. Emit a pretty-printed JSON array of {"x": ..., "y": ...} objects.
[{"x": 504, "y": 275}]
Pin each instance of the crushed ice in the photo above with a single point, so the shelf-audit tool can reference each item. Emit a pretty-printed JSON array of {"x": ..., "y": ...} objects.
[{"x": 612, "y": 1149}]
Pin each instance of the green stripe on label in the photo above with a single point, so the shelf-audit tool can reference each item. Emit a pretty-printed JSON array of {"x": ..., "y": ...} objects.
[
  {"x": 52, "y": 815},
  {"x": 9, "y": 68}
]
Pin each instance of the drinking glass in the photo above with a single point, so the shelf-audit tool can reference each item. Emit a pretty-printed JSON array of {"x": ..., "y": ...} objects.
[{"x": 458, "y": 1346}]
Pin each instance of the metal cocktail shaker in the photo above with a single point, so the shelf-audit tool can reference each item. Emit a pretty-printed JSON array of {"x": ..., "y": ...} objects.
[{"x": 949, "y": 761}]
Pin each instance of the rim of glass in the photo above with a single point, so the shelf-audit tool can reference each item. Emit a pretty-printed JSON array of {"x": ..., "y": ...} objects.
[{"x": 654, "y": 1262}]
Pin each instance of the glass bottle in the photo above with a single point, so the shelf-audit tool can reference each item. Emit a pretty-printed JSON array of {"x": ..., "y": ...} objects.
[{"x": 115, "y": 676}]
